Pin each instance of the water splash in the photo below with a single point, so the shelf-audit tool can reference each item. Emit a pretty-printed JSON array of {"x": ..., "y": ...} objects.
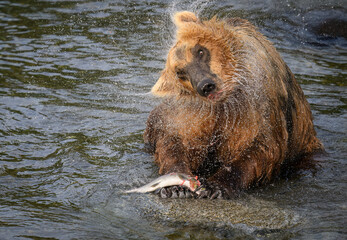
[
  {"x": 168, "y": 35},
  {"x": 196, "y": 6}
]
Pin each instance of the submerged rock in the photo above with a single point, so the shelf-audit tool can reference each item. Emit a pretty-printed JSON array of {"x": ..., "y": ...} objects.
[{"x": 250, "y": 214}]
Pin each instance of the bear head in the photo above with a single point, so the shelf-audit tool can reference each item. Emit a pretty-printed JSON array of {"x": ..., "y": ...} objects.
[{"x": 202, "y": 61}]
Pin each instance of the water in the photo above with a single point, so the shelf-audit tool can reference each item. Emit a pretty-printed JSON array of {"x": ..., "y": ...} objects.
[{"x": 74, "y": 78}]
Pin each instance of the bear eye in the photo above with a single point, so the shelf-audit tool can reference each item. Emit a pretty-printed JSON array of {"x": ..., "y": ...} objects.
[{"x": 181, "y": 74}]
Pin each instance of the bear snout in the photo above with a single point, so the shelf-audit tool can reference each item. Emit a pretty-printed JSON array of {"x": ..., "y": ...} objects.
[{"x": 206, "y": 87}]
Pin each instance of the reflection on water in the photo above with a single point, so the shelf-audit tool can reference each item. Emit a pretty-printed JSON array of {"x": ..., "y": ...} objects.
[{"x": 74, "y": 78}]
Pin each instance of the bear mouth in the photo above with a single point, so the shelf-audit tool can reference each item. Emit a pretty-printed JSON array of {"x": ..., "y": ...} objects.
[{"x": 215, "y": 96}]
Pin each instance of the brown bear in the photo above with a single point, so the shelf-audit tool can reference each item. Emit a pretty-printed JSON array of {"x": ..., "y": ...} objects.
[{"x": 233, "y": 113}]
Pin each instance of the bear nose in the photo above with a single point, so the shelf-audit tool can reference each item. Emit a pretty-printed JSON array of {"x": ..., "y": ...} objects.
[{"x": 205, "y": 87}]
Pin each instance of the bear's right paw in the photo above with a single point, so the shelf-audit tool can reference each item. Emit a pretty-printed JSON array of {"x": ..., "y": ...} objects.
[{"x": 175, "y": 192}]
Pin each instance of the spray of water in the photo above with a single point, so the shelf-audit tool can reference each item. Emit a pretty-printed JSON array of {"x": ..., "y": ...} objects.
[
  {"x": 242, "y": 78},
  {"x": 197, "y": 7}
]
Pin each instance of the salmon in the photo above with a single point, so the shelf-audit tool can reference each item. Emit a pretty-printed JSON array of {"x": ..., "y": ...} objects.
[{"x": 171, "y": 179}]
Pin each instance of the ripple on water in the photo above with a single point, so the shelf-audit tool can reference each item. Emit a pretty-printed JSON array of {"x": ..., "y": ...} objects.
[{"x": 74, "y": 78}]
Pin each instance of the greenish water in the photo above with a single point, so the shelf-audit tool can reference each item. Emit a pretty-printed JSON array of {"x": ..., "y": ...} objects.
[{"x": 74, "y": 83}]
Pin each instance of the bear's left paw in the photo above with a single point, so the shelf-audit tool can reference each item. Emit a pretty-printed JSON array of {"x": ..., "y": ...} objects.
[{"x": 211, "y": 191}]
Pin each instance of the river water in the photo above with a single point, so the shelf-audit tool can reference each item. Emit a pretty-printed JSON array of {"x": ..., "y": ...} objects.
[{"x": 74, "y": 83}]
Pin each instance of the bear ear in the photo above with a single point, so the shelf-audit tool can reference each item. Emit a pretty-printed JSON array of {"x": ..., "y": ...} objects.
[
  {"x": 163, "y": 87},
  {"x": 181, "y": 18}
]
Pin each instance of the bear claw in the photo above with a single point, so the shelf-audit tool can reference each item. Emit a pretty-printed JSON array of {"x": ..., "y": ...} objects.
[
  {"x": 175, "y": 192},
  {"x": 207, "y": 191}
]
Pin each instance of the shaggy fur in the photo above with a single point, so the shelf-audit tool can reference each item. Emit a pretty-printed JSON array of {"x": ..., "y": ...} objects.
[{"x": 253, "y": 124}]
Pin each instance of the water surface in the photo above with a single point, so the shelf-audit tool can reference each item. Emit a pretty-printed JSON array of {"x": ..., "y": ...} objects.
[{"x": 74, "y": 83}]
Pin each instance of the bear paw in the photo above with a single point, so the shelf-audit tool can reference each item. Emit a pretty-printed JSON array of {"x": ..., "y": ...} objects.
[
  {"x": 211, "y": 191},
  {"x": 175, "y": 192},
  {"x": 207, "y": 190}
]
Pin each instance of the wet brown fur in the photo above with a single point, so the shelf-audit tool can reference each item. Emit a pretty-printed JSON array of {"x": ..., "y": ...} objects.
[{"x": 260, "y": 122}]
